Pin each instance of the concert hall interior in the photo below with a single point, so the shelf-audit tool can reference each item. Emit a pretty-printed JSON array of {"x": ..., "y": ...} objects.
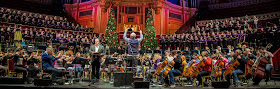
[{"x": 157, "y": 44}]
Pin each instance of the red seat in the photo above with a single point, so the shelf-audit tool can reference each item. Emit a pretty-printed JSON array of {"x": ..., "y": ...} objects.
[{"x": 11, "y": 65}]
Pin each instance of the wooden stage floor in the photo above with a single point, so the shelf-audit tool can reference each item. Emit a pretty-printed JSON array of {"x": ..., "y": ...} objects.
[{"x": 102, "y": 85}]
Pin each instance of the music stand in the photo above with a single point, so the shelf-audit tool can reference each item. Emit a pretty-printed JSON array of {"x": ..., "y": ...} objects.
[
  {"x": 42, "y": 47},
  {"x": 194, "y": 51},
  {"x": 113, "y": 50},
  {"x": 96, "y": 56},
  {"x": 149, "y": 52},
  {"x": 225, "y": 50},
  {"x": 236, "y": 49},
  {"x": 213, "y": 51},
  {"x": 55, "y": 41},
  {"x": 110, "y": 61},
  {"x": 81, "y": 61},
  {"x": 72, "y": 44},
  {"x": 86, "y": 44},
  {"x": 178, "y": 52},
  {"x": 141, "y": 52},
  {"x": 186, "y": 52},
  {"x": 39, "y": 39},
  {"x": 157, "y": 51},
  {"x": 62, "y": 48},
  {"x": 120, "y": 51},
  {"x": 27, "y": 38}
]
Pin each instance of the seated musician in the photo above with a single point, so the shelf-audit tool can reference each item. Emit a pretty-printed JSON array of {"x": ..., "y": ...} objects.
[
  {"x": 222, "y": 59},
  {"x": 104, "y": 68},
  {"x": 4, "y": 65},
  {"x": 207, "y": 68},
  {"x": 241, "y": 68},
  {"x": 248, "y": 53},
  {"x": 31, "y": 65},
  {"x": 18, "y": 63},
  {"x": 268, "y": 55},
  {"x": 47, "y": 62},
  {"x": 177, "y": 69},
  {"x": 156, "y": 61},
  {"x": 195, "y": 59},
  {"x": 59, "y": 63},
  {"x": 87, "y": 66},
  {"x": 230, "y": 57},
  {"x": 143, "y": 61}
]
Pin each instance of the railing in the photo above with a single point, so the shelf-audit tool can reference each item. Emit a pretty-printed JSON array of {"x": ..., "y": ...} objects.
[
  {"x": 69, "y": 17},
  {"x": 265, "y": 16},
  {"x": 184, "y": 28},
  {"x": 276, "y": 60},
  {"x": 6, "y": 24},
  {"x": 236, "y": 4}
]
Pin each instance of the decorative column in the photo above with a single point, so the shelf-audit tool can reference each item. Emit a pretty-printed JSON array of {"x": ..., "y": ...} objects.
[{"x": 122, "y": 21}]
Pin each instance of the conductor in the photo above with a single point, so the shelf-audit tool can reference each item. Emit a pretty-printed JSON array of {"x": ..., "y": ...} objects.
[{"x": 133, "y": 42}]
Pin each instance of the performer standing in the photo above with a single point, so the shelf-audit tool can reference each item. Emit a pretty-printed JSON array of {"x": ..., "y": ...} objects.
[{"x": 95, "y": 62}]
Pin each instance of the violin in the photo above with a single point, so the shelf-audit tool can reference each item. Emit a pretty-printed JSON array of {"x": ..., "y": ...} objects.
[{"x": 51, "y": 54}]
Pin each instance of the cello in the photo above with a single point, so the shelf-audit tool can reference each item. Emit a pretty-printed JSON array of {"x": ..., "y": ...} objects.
[
  {"x": 197, "y": 69},
  {"x": 259, "y": 67},
  {"x": 189, "y": 70},
  {"x": 218, "y": 70},
  {"x": 231, "y": 68},
  {"x": 168, "y": 66},
  {"x": 248, "y": 68}
]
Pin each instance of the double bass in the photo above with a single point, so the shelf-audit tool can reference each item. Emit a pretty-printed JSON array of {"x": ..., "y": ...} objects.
[{"x": 259, "y": 67}]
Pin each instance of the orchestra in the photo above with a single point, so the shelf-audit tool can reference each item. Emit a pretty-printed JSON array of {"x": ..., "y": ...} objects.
[
  {"x": 216, "y": 64},
  {"x": 221, "y": 53}
]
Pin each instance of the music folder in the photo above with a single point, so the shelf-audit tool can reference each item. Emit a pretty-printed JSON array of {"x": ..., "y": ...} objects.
[
  {"x": 157, "y": 51},
  {"x": 81, "y": 61},
  {"x": 110, "y": 60},
  {"x": 186, "y": 52},
  {"x": 120, "y": 51}
]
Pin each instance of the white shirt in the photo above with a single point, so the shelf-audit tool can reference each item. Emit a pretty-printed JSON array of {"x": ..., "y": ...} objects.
[
  {"x": 96, "y": 48},
  {"x": 169, "y": 60}
]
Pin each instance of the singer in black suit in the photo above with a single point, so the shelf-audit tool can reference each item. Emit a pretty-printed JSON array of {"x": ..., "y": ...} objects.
[{"x": 95, "y": 61}]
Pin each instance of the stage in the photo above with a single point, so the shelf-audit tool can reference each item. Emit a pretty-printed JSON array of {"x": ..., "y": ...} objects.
[{"x": 102, "y": 85}]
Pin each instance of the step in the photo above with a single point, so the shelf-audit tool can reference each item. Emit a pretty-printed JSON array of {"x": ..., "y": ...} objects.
[
  {"x": 275, "y": 75},
  {"x": 275, "y": 78}
]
